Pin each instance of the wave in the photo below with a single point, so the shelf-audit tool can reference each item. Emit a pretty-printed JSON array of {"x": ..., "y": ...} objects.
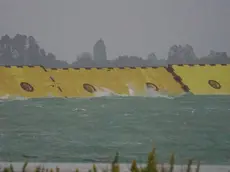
[
  {"x": 105, "y": 92},
  {"x": 8, "y": 97},
  {"x": 149, "y": 92}
]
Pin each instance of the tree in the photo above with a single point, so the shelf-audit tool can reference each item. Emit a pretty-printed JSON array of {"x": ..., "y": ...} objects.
[
  {"x": 85, "y": 56},
  {"x": 180, "y": 54},
  {"x": 23, "y": 50},
  {"x": 85, "y": 59},
  {"x": 152, "y": 57},
  {"x": 188, "y": 54},
  {"x": 50, "y": 57},
  {"x": 6, "y": 50},
  {"x": 19, "y": 48},
  {"x": 33, "y": 52}
]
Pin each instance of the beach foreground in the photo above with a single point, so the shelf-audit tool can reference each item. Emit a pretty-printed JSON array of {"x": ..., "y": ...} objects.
[
  {"x": 85, "y": 167},
  {"x": 151, "y": 165}
]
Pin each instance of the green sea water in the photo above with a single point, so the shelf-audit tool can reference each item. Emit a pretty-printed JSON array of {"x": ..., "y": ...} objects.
[{"x": 93, "y": 129}]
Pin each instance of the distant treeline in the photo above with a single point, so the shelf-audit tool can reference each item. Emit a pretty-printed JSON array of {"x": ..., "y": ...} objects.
[{"x": 24, "y": 50}]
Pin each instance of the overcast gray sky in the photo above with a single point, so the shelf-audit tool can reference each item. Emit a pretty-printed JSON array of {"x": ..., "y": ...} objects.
[{"x": 133, "y": 27}]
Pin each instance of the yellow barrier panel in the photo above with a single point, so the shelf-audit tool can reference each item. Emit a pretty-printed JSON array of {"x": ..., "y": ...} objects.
[
  {"x": 26, "y": 81},
  {"x": 76, "y": 82},
  {"x": 8, "y": 84},
  {"x": 205, "y": 79},
  {"x": 163, "y": 80},
  {"x": 64, "y": 82},
  {"x": 85, "y": 82}
]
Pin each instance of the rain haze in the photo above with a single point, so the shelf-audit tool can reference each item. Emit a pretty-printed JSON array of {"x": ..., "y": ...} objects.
[
  {"x": 99, "y": 82},
  {"x": 132, "y": 27}
]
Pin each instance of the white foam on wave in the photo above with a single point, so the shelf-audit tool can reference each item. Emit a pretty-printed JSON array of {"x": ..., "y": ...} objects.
[
  {"x": 8, "y": 97},
  {"x": 102, "y": 91},
  {"x": 105, "y": 92},
  {"x": 153, "y": 93},
  {"x": 131, "y": 90}
]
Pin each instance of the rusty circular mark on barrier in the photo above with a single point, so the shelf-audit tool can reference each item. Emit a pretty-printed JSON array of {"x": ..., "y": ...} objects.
[
  {"x": 90, "y": 88},
  {"x": 214, "y": 84},
  {"x": 27, "y": 87},
  {"x": 150, "y": 85}
]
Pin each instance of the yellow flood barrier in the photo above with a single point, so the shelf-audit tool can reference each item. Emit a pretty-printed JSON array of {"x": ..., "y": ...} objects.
[
  {"x": 205, "y": 79},
  {"x": 166, "y": 81},
  {"x": 87, "y": 82},
  {"x": 82, "y": 82},
  {"x": 26, "y": 81}
]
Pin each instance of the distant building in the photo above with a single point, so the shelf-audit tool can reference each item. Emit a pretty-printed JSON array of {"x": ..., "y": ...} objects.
[
  {"x": 99, "y": 51},
  {"x": 218, "y": 54}
]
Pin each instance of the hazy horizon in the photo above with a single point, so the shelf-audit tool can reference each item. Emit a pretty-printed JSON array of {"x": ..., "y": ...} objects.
[{"x": 132, "y": 27}]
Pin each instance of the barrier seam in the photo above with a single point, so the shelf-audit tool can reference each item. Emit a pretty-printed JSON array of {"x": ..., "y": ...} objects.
[
  {"x": 51, "y": 78},
  {"x": 177, "y": 78},
  {"x": 43, "y": 68}
]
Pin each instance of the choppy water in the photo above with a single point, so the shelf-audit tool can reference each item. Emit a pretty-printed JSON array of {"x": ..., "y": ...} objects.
[{"x": 93, "y": 129}]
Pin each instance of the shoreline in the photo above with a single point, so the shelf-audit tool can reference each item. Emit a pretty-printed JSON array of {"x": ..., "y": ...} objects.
[{"x": 85, "y": 167}]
